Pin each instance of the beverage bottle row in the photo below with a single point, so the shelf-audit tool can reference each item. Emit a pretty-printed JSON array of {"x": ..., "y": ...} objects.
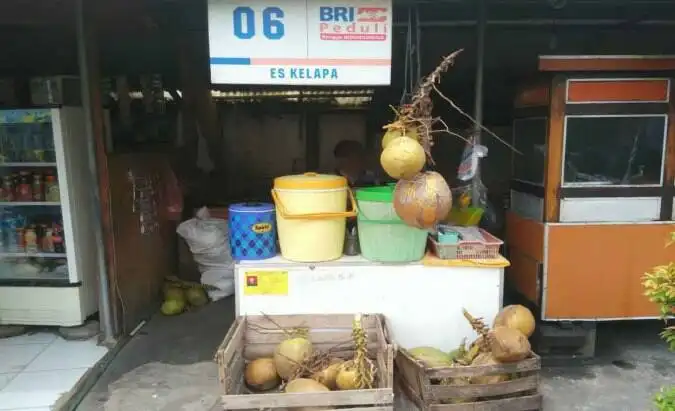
[
  {"x": 18, "y": 235},
  {"x": 28, "y": 187}
]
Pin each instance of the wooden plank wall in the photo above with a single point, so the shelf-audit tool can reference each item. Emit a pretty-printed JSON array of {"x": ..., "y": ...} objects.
[{"x": 141, "y": 261}]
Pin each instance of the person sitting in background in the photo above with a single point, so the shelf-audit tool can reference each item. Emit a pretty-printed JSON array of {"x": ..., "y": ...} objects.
[{"x": 351, "y": 164}]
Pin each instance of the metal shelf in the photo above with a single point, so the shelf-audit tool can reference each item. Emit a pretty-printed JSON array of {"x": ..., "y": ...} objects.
[
  {"x": 32, "y": 255},
  {"x": 29, "y": 203},
  {"x": 28, "y": 164}
]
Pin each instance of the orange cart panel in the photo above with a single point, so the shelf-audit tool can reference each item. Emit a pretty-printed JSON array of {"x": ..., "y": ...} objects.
[{"x": 594, "y": 271}]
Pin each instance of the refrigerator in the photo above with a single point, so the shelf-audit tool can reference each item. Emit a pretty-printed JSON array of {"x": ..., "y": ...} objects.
[{"x": 48, "y": 264}]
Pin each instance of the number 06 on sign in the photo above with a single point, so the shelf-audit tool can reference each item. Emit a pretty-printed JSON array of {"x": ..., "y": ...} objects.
[{"x": 293, "y": 42}]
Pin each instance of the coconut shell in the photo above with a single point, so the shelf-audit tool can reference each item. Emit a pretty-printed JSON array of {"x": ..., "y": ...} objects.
[
  {"x": 261, "y": 374},
  {"x": 487, "y": 359},
  {"x": 393, "y": 134},
  {"x": 518, "y": 317},
  {"x": 328, "y": 375},
  {"x": 423, "y": 201},
  {"x": 306, "y": 385},
  {"x": 509, "y": 345},
  {"x": 403, "y": 158},
  {"x": 289, "y": 354}
]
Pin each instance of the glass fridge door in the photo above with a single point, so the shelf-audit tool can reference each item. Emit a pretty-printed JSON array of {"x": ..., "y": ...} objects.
[{"x": 32, "y": 247}]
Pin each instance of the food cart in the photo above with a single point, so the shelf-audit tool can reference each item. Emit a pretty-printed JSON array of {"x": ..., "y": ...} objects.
[{"x": 592, "y": 200}]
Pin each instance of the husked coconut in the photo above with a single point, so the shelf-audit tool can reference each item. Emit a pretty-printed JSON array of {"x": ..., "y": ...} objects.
[
  {"x": 517, "y": 317},
  {"x": 487, "y": 359},
  {"x": 509, "y": 345},
  {"x": 306, "y": 385},
  {"x": 423, "y": 201},
  {"x": 290, "y": 354},
  {"x": 403, "y": 158},
  {"x": 394, "y": 133},
  {"x": 261, "y": 374}
]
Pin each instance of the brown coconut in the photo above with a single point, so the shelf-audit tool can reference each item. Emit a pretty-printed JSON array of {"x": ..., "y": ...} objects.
[
  {"x": 306, "y": 385},
  {"x": 261, "y": 374},
  {"x": 487, "y": 359},
  {"x": 517, "y": 317},
  {"x": 328, "y": 375},
  {"x": 509, "y": 345},
  {"x": 423, "y": 201}
]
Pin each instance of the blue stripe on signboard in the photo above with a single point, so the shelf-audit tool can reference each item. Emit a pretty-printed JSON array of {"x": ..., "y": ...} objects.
[{"x": 232, "y": 61}]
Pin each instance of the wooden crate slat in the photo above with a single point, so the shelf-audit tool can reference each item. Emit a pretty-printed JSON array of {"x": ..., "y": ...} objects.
[
  {"x": 316, "y": 321},
  {"x": 266, "y": 350},
  {"x": 256, "y": 337},
  {"x": 309, "y": 399},
  {"x": 530, "y": 364},
  {"x": 480, "y": 390},
  {"x": 527, "y": 403}
]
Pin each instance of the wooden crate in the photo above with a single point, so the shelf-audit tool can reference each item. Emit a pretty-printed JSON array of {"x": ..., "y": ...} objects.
[
  {"x": 247, "y": 340},
  {"x": 422, "y": 385}
]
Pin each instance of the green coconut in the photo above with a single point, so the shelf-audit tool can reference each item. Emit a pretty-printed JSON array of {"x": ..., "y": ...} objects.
[
  {"x": 173, "y": 307},
  {"x": 431, "y": 357},
  {"x": 196, "y": 296}
]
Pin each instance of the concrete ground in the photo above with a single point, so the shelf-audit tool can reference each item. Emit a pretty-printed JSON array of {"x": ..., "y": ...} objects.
[{"x": 168, "y": 366}]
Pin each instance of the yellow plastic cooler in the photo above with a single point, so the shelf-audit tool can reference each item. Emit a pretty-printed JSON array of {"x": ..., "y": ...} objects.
[{"x": 311, "y": 215}]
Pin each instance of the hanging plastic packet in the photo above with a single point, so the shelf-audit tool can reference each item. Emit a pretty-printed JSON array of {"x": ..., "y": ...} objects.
[{"x": 470, "y": 158}]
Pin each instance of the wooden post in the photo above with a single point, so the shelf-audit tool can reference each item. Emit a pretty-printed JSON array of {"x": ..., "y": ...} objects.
[
  {"x": 554, "y": 154},
  {"x": 91, "y": 100}
]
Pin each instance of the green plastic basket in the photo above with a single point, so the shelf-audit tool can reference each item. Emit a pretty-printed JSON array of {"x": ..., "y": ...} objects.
[{"x": 383, "y": 236}]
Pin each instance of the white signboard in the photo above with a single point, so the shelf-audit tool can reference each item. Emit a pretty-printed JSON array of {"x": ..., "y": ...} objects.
[{"x": 300, "y": 42}]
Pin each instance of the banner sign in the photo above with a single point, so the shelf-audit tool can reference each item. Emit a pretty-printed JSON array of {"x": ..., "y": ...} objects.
[{"x": 300, "y": 42}]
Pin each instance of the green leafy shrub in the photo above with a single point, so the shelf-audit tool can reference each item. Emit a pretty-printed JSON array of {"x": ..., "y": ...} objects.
[{"x": 659, "y": 285}]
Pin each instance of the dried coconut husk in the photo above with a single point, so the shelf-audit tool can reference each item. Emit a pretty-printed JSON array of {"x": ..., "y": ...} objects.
[{"x": 505, "y": 344}]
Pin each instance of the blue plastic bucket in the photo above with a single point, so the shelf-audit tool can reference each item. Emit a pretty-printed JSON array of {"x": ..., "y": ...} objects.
[{"x": 252, "y": 231}]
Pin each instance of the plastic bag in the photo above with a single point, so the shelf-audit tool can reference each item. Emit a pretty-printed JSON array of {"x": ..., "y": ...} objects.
[
  {"x": 208, "y": 240},
  {"x": 469, "y": 163}
]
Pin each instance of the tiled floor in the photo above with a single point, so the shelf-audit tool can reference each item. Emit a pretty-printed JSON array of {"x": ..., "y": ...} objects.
[{"x": 37, "y": 369}]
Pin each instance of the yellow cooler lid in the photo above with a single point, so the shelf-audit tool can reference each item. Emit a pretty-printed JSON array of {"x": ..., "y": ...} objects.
[{"x": 310, "y": 181}]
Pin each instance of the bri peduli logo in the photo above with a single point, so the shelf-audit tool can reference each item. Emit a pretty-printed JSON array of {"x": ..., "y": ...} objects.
[{"x": 354, "y": 23}]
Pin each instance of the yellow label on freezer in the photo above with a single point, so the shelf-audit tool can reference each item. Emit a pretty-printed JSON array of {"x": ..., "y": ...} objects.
[{"x": 266, "y": 283}]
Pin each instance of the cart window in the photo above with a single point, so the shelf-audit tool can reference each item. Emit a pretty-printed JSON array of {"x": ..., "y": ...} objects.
[
  {"x": 529, "y": 137},
  {"x": 614, "y": 150}
]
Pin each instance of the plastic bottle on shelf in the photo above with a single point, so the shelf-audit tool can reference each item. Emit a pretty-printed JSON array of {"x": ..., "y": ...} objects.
[
  {"x": 24, "y": 191},
  {"x": 52, "y": 193},
  {"x": 30, "y": 239},
  {"x": 48, "y": 240},
  {"x": 57, "y": 239},
  {"x": 7, "y": 189},
  {"x": 37, "y": 188}
]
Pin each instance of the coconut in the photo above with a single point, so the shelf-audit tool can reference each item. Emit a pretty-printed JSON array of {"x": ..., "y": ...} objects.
[
  {"x": 487, "y": 359},
  {"x": 403, "y": 158},
  {"x": 328, "y": 375},
  {"x": 173, "y": 307},
  {"x": 422, "y": 201},
  {"x": 348, "y": 377},
  {"x": 289, "y": 354},
  {"x": 517, "y": 317},
  {"x": 261, "y": 374},
  {"x": 431, "y": 357},
  {"x": 172, "y": 292},
  {"x": 306, "y": 385},
  {"x": 196, "y": 296},
  {"x": 509, "y": 345},
  {"x": 394, "y": 133}
]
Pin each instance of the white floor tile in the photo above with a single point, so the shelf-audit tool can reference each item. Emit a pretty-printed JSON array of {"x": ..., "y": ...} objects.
[
  {"x": 38, "y": 389},
  {"x": 36, "y": 338},
  {"x": 14, "y": 358},
  {"x": 66, "y": 355},
  {"x": 5, "y": 379},
  {"x": 31, "y": 409}
]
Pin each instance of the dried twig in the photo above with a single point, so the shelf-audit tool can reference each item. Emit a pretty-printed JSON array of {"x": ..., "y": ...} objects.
[{"x": 473, "y": 120}]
